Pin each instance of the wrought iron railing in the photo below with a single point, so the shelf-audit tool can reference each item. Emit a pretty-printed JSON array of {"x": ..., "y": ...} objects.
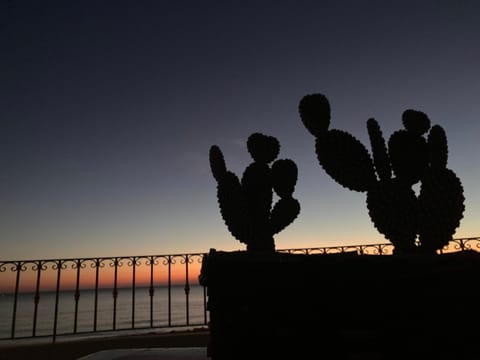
[
  {"x": 157, "y": 275},
  {"x": 458, "y": 244},
  {"x": 136, "y": 280}
]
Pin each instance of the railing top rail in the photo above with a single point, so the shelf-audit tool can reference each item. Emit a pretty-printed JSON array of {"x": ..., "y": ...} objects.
[
  {"x": 166, "y": 256},
  {"x": 124, "y": 257},
  {"x": 371, "y": 245}
]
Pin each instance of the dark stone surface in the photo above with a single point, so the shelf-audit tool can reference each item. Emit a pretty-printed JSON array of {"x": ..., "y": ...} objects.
[{"x": 342, "y": 306}]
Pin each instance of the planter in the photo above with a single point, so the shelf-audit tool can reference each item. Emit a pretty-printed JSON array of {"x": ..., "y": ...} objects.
[{"x": 342, "y": 306}]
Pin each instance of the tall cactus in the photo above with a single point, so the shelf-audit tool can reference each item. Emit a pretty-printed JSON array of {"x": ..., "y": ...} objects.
[
  {"x": 396, "y": 211},
  {"x": 246, "y": 205}
]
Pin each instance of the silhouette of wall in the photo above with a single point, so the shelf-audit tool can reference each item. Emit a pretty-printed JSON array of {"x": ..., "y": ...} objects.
[{"x": 341, "y": 306}]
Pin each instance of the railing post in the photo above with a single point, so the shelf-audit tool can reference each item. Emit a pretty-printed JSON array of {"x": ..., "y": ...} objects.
[
  {"x": 96, "y": 263},
  {"x": 58, "y": 266},
  {"x": 134, "y": 264},
  {"x": 151, "y": 290},
  {"x": 18, "y": 268},
  {"x": 36, "y": 298},
  {"x": 115, "y": 292},
  {"x": 169, "y": 290},
  {"x": 77, "y": 264},
  {"x": 187, "y": 291}
]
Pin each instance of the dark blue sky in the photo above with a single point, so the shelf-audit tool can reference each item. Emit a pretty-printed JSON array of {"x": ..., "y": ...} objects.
[{"x": 108, "y": 109}]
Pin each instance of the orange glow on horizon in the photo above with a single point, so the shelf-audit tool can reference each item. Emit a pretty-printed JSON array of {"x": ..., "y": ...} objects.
[{"x": 87, "y": 279}]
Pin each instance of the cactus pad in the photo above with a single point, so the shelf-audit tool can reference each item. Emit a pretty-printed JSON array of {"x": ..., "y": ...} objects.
[
  {"x": 284, "y": 177},
  {"x": 346, "y": 160},
  {"x": 408, "y": 156},
  {"x": 415, "y": 121},
  {"x": 442, "y": 205},
  {"x": 263, "y": 148},
  {"x": 381, "y": 159},
  {"x": 393, "y": 208},
  {"x": 217, "y": 162},
  {"x": 315, "y": 113},
  {"x": 438, "y": 147}
]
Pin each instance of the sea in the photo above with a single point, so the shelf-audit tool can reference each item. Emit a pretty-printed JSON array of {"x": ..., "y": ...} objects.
[{"x": 180, "y": 314}]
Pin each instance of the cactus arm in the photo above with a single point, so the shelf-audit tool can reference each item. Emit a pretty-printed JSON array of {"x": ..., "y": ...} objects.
[
  {"x": 393, "y": 209},
  {"x": 441, "y": 196},
  {"x": 408, "y": 148},
  {"x": 284, "y": 212},
  {"x": 286, "y": 209},
  {"x": 379, "y": 150},
  {"x": 314, "y": 112},
  {"x": 416, "y": 122},
  {"x": 408, "y": 156},
  {"x": 441, "y": 200},
  {"x": 263, "y": 148},
  {"x": 284, "y": 177},
  {"x": 217, "y": 162},
  {"x": 438, "y": 147},
  {"x": 230, "y": 197},
  {"x": 233, "y": 208},
  {"x": 346, "y": 160},
  {"x": 257, "y": 189}
]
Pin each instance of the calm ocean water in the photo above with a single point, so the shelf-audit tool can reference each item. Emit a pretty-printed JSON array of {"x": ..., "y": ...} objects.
[{"x": 86, "y": 305}]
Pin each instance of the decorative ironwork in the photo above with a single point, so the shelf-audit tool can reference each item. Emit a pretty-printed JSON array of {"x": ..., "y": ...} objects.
[{"x": 153, "y": 272}]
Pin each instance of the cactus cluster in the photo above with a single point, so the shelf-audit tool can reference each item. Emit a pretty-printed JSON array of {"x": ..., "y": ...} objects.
[
  {"x": 247, "y": 206},
  {"x": 417, "y": 153}
]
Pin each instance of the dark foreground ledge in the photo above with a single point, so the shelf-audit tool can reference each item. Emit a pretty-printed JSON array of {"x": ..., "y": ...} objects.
[
  {"x": 342, "y": 306},
  {"x": 72, "y": 348}
]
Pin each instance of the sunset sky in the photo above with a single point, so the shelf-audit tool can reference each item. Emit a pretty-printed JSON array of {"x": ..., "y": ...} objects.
[{"x": 108, "y": 110}]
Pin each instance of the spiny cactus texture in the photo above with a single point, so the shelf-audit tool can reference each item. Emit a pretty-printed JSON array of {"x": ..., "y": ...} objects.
[
  {"x": 417, "y": 153},
  {"x": 246, "y": 205}
]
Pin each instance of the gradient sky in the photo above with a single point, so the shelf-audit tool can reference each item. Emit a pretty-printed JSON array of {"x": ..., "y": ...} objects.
[{"x": 108, "y": 110}]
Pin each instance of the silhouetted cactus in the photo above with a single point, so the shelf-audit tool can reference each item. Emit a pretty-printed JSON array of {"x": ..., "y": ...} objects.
[
  {"x": 392, "y": 204},
  {"x": 246, "y": 205}
]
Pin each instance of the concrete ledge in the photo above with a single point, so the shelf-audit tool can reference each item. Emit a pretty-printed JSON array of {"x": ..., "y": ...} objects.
[{"x": 192, "y": 353}]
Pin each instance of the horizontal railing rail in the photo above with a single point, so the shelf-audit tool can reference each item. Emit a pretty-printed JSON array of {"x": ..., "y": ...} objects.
[
  {"x": 457, "y": 244},
  {"x": 72, "y": 296}
]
